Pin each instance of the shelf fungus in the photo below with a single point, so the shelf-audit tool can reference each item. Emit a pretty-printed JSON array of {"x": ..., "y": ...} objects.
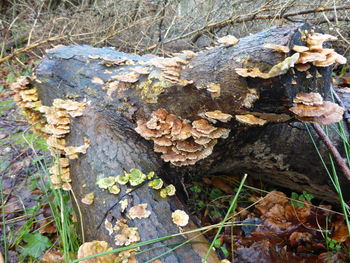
[
  {"x": 169, "y": 190},
  {"x": 314, "y": 53},
  {"x": 217, "y": 115},
  {"x": 180, "y": 142},
  {"x": 278, "y": 69},
  {"x": 228, "y": 40},
  {"x": 95, "y": 247},
  {"x": 88, "y": 199},
  {"x": 311, "y": 54},
  {"x": 250, "y": 120},
  {"x": 139, "y": 211},
  {"x": 125, "y": 234},
  {"x": 171, "y": 68},
  {"x": 310, "y": 107},
  {"x": 213, "y": 88},
  {"x": 53, "y": 124},
  {"x": 278, "y": 48},
  {"x": 57, "y": 127},
  {"x": 180, "y": 218},
  {"x": 27, "y": 99}
]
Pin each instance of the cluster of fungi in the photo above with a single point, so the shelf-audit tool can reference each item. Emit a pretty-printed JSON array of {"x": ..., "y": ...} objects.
[
  {"x": 310, "y": 107},
  {"x": 180, "y": 142},
  {"x": 53, "y": 124},
  {"x": 27, "y": 99},
  {"x": 185, "y": 143},
  {"x": 313, "y": 53}
]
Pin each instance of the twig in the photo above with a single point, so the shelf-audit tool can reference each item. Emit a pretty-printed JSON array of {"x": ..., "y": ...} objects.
[
  {"x": 226, "y": 22},
  {"x": 27, "y": 48},
  {"x": 338, "y": 158}
]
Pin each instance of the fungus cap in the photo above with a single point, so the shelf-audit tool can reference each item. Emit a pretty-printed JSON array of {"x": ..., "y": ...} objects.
[
  {"x": 326, "y": 108},
  {"x": 180, "y": 218},
  {"x": 278, "y": 48},
  {"x": 250, "y": 119},
  {"x": 218, "y": 115},
  {"x": 312, "y": 98},
  {"x": 300, "y": 48},
  {"x": 139, "y": 211},
  {"x": 306, "y": 57},
  {"x": 302, "y": 67},
  {"x": 203, "y": 126}
]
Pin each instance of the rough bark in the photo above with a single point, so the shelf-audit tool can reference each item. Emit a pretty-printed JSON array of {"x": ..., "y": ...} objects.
[{"x": 280, "y": 153}]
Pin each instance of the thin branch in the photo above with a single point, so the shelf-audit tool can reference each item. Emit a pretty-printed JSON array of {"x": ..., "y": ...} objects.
[
  {"x": 27, "y": 48},
  {"x": 333, "y": 150},
  {"x": 235, "y": 20}
]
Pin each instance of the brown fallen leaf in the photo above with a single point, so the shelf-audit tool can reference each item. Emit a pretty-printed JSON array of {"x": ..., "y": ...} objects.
[
  {"x": 222, "y": 185},
  {"x": 341, "y": 232},
  {"x": 52, "y": 256},
  {"x": 46, "y": 226}
]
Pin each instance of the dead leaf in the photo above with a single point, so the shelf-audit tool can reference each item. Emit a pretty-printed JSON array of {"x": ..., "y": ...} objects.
[
  {"x": 341, "y": 232},
  {"x": 52, "y": 256},
  {"x": 296, "y": 238},
  {"x": 46, "y": 226}
]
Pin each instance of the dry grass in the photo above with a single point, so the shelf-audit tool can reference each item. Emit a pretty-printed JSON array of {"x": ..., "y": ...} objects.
[{"x": 141, "y": 26}]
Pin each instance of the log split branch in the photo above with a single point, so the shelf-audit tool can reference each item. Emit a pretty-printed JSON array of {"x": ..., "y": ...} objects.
[{"x": 333, "y": 150}]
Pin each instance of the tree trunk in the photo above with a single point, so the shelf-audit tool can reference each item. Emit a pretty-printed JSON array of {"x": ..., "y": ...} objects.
[{"x": 279, "y": 152}]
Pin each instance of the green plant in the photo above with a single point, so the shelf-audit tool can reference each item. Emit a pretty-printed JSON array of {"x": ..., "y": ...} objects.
[
  {"x": 333, "y": 244},
  {"x": 36, "y": 244},
  {"x": 332, "y": 172},
  {"x": 217, "y": 244},
  {"x": 304, "y": 196},
  {"x": 57, "y": 199}
]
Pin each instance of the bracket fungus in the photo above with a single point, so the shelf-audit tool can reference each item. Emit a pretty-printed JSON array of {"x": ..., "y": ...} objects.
[
  {"x": 213, "y": 88},
  {"x": 278, "y": 48},
  {"x": 218, "y": 115},
  {"x": 228, "y": 40},
  {"x": 53, "y": 124},
  {"x": 180, "y": 218},
  {"x": 250, "y": 120},
  {"x": 316, "y": 54},
  {"x": 278, "y": 69},
  {"x": 313, "y": 53},
  {"x": 125, "y": 234},
  {"x": 139, "y": 211},
  {"x": 310, "y": 107},
  {"x": 88, "y": 199},
  {"x": 95, "y": 247},
  {"x": 27, "y": 99},
  {"x": 180, "y": 142}
]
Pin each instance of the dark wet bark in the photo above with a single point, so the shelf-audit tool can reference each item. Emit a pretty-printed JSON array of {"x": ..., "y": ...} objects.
[{"x": 280, "y": 153}]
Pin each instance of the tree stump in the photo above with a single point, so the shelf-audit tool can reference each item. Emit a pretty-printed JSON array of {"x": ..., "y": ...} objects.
[{"x": 124, "y": 92}]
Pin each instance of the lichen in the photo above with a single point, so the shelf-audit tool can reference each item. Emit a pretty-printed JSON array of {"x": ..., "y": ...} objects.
[{"x": 153, "y": 87}]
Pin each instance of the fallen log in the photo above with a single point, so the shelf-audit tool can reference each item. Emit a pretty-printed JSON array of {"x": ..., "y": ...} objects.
[{"x": 192, "y": 113}]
